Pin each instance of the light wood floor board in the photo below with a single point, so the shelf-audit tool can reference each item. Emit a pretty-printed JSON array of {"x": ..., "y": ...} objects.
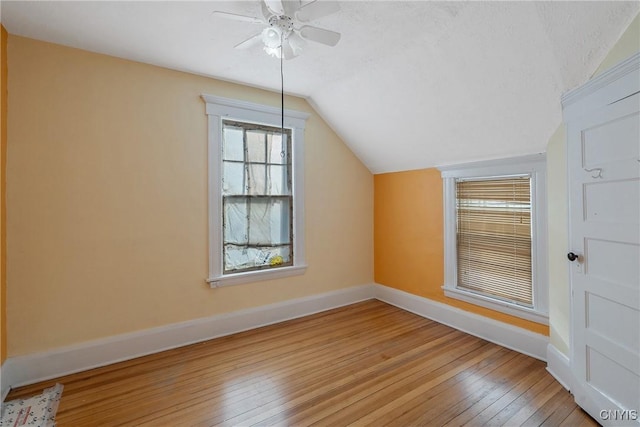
[{"x": 367, "y": 364}]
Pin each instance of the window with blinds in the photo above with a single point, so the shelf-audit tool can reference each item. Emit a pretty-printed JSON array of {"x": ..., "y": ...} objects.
[
  {"x": 257, "y": 197},
  {"x": 493, "y": 222}
]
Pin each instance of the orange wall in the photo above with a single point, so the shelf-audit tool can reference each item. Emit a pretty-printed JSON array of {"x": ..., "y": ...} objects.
[
  {"x": 3, "y": 211},
  {"x": 409, "y": 240}
]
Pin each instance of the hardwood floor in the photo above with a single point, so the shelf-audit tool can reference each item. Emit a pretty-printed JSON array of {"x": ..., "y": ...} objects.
[{"x": 366, "y": 364}]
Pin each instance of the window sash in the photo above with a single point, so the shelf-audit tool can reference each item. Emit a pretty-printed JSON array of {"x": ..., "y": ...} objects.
[
  {"x": 493, "y": 238},
  {"x": 245, "y": 250}
]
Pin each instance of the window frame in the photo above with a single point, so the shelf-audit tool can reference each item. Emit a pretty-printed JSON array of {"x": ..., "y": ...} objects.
[
  {"x": 217, "y": 110},
  {"x": 535, "y": 167}
]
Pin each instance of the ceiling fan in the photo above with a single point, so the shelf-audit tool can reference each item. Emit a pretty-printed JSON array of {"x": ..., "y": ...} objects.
[{"x": 286, "y": 33}]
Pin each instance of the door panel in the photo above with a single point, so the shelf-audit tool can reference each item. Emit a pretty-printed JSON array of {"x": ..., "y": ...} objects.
[
  {"x": 608, "y": 142},
  {"x": 603, "y": 204},
  {"x": 603, "y": 316},
  {"x": 615, "y": 262},
  {"x": 612, "y": 379}
]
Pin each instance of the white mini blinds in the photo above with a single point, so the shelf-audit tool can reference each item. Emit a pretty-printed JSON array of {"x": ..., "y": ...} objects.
[
  {"x": 257, "y": 197},
  {"x": 493, "y": 238}
]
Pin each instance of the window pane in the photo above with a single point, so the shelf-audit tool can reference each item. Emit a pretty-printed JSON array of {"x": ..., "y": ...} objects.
[
  {"x": 256, "y": 148},
  {"x": 233, "y": 178},
  {"x": 259, "y": 222},
  {"x": 257, "y": 179},
  {"x": 269, "y": 221},
  {"x": 494, "y": 238},
  {"x": 277, "y": 180},
  {"x": 236, "y": 223},
  {"x": 281, "y": 221},
  {"x": 233, "y": 146},
  {"x": 280, "y": 255},
  {"x": 277, "y": 153},
  {"x": 239, "y": 258}
]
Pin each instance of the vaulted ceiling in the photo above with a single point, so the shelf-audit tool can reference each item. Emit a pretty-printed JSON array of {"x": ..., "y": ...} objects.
[{"x": 411, "y": 84}]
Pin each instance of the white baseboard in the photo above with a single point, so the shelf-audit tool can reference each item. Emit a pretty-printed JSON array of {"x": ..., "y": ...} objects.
[
  {"x": 558, "y": 365},
  {"x": 32, "y": 368},
  {"x": 3, "y": 390},
  {"x": 513, "y": 337}
]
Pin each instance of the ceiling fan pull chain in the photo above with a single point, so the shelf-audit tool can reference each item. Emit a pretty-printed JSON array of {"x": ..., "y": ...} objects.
[{"x": 281, "y": 97}]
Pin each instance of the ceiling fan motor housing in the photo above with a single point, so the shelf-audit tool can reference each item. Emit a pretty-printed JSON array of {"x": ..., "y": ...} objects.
[{"x": 281, "y": 24}]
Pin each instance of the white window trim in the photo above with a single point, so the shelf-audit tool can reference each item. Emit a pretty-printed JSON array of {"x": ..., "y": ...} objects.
[
  {"x": 535, "y": 166},
  {"x": 217, "y": 109}
]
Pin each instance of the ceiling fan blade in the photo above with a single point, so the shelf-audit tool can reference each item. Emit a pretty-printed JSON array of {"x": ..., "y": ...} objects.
[
  {"x": 320, "y": 35},
  {"x": 288, "y": 52},
  {"x": 251, "y": 41},
  {"x": 297, "y": 42},
  {"x": 290, "y": 7},
  {"x": 236, "y": 17},
  {"x": 265, "y": 11},
  {"x": 317, "y": 9},
  {"x": 275, "y": 6}
]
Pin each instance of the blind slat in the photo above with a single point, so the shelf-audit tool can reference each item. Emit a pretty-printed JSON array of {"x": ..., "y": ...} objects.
[{"x": 494, "y": 238}]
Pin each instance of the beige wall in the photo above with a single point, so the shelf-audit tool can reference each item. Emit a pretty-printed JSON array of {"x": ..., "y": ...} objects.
[
  {"x": 3, "y": 182},
  {"x": 107, "y": 200},
  {"x": 627, "y": 45},
  {"x": 557, "y": 223},
  {"x": 559, "y": 302}
]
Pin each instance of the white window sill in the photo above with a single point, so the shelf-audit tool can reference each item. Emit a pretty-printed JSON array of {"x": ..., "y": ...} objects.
[
  {"x": 256, "y": 276},
  {"x": 497, "y": 305}
]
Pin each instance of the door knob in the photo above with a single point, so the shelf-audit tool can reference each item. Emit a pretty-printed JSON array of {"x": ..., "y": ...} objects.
[{"x": 572, "y": 256}]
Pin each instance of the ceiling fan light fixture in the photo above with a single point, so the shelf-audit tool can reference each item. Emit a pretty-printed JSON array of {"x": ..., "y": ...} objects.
[
  {"x": 273, "y": 51},
  {"x": 272, "y": 37}
]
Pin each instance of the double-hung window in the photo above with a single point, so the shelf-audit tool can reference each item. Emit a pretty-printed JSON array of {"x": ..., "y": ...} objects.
[
  {"x": 495, "y": 235},
  {"x": 255, "y": 192},
  {"x": 257, "y": 203}
]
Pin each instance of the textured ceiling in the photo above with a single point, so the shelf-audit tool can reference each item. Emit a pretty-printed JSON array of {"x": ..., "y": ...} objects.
[{"x": 410, "y": 85}]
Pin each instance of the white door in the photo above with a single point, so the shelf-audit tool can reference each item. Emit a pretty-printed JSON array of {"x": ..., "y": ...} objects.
[{"x": 604, "y": 186}]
